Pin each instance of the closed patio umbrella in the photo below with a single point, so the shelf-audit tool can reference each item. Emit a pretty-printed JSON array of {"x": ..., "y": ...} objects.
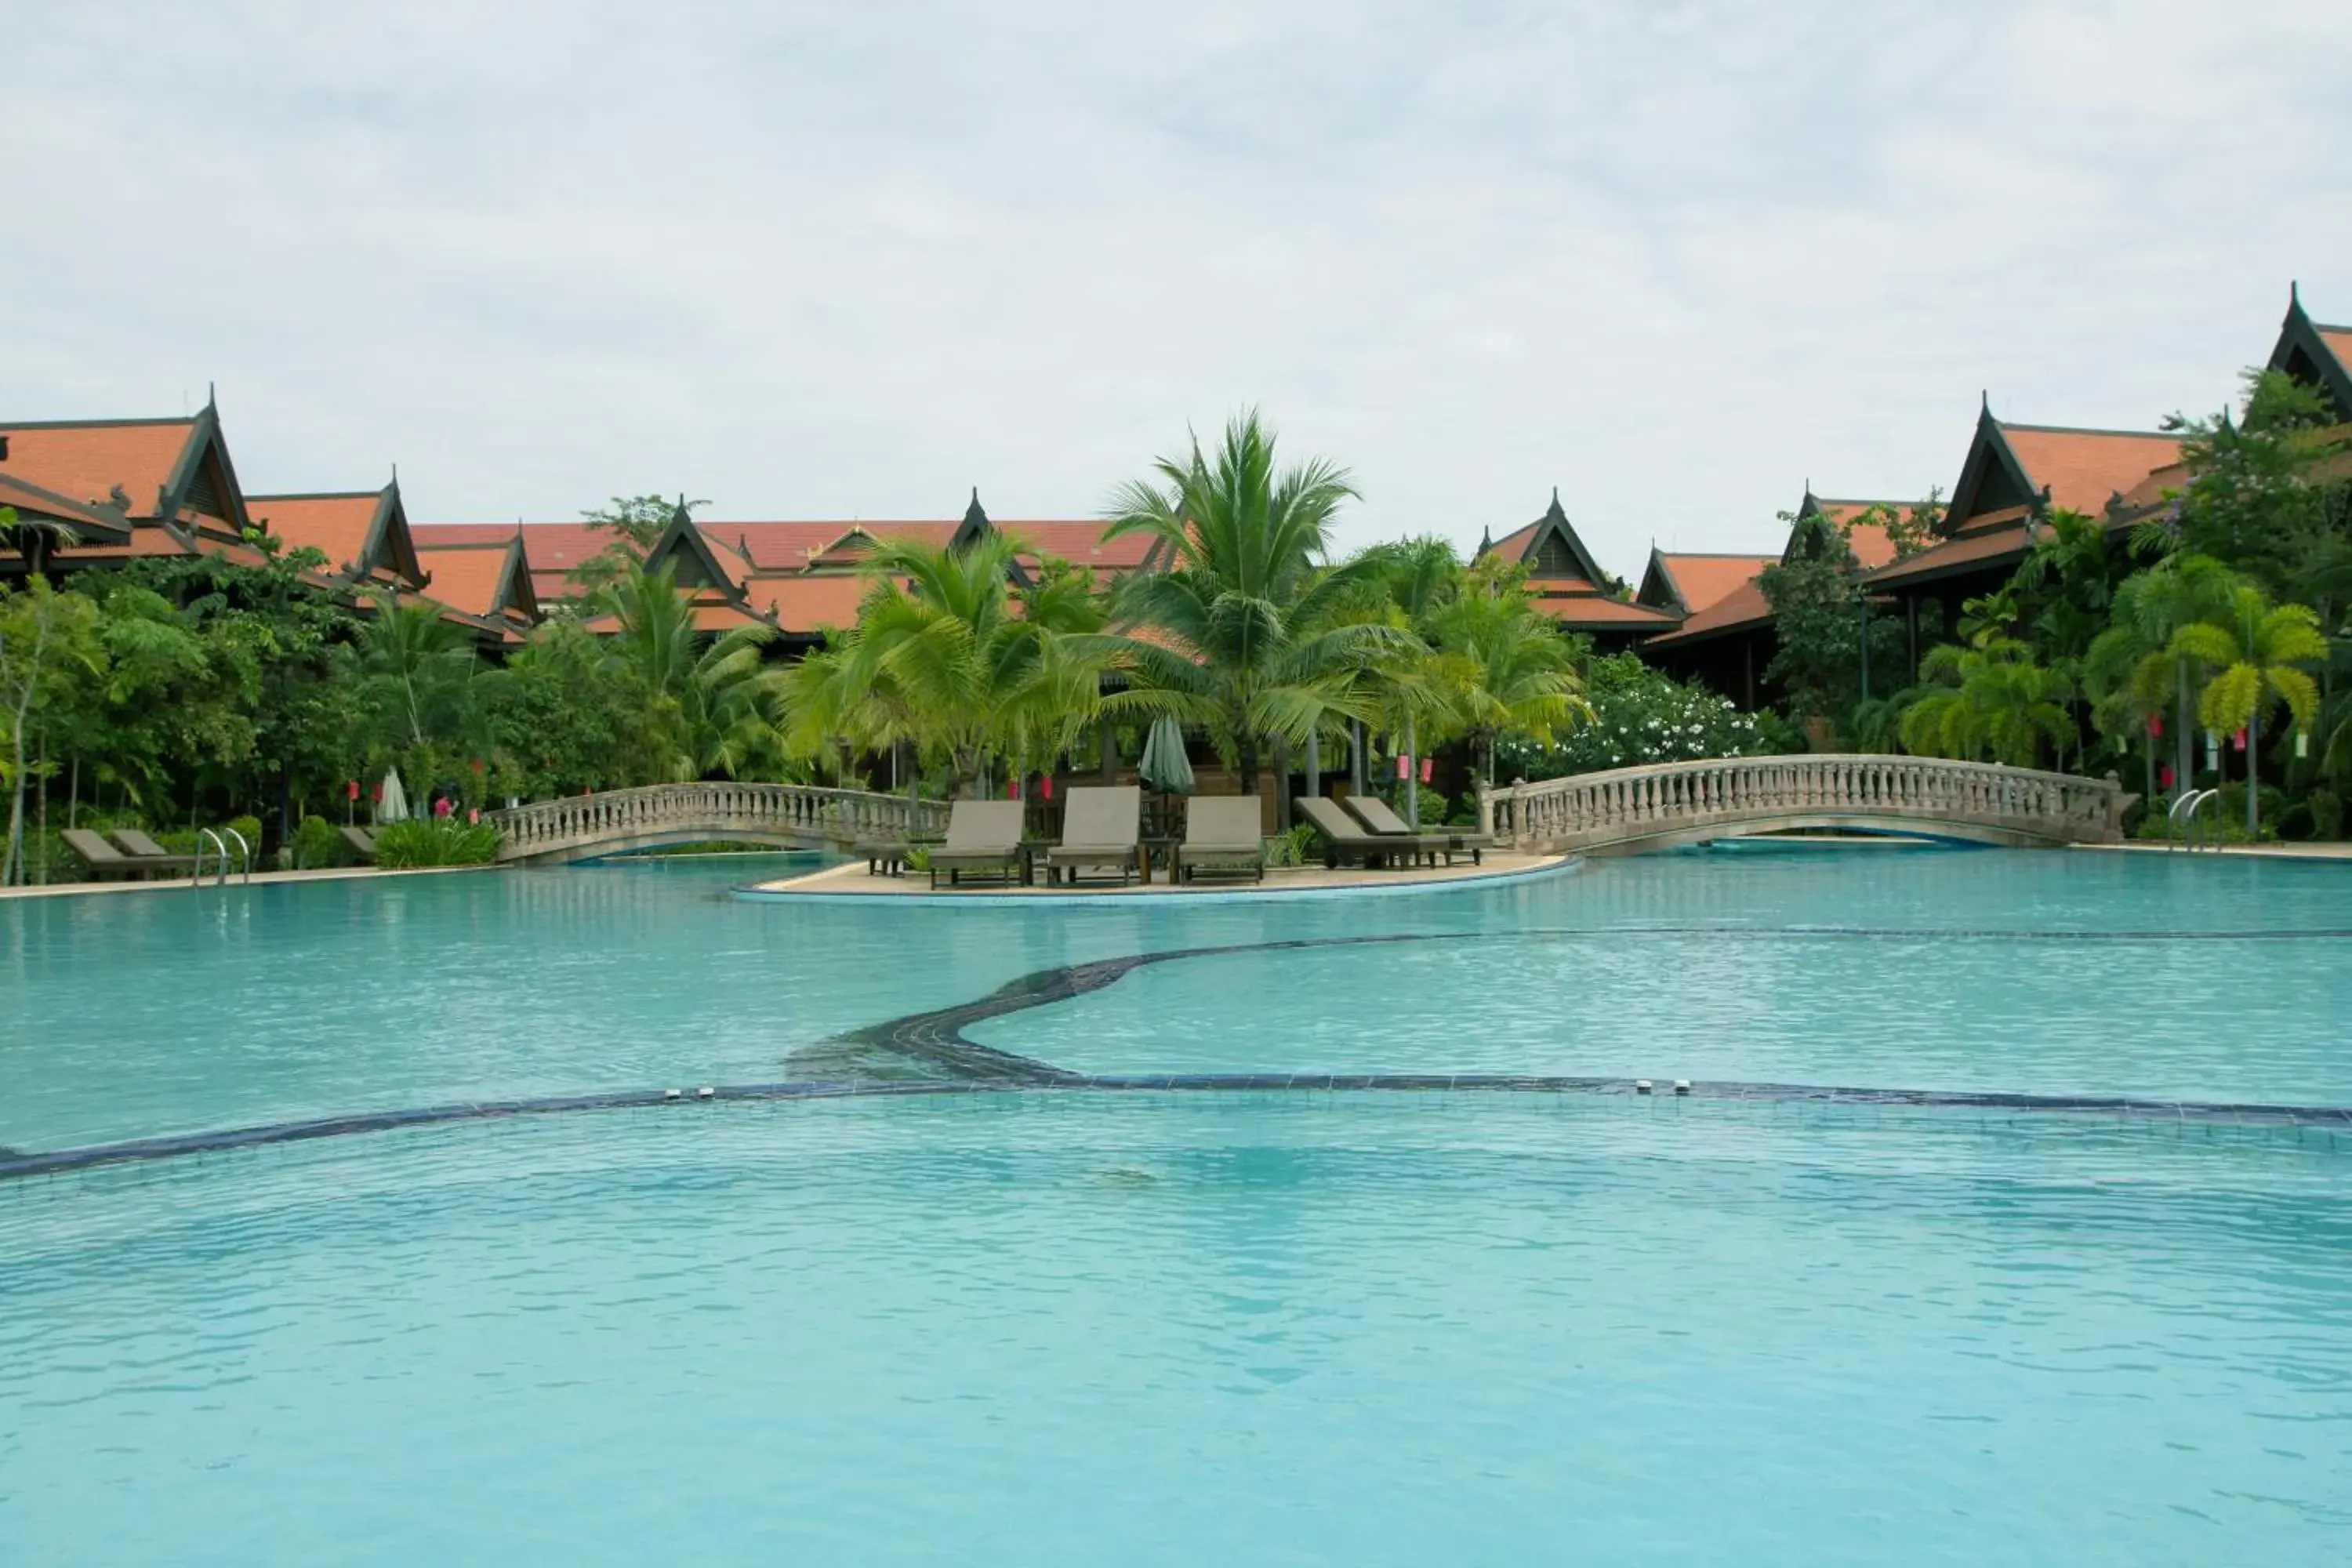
[
  {"x": 1164, "y": 766},
  {"x": 392, "y": 802}
]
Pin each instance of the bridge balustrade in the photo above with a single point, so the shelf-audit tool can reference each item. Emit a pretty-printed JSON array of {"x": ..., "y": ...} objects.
[
  {"x": 797, "y": 813},
  {"x": 1682, "y": 801}
]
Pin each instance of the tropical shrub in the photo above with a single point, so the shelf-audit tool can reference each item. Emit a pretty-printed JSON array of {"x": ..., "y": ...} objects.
[
  {"x": 1640, "y": 715},
  {"x": 419, "y": 842},
  {"x": 315, "y": 844}
]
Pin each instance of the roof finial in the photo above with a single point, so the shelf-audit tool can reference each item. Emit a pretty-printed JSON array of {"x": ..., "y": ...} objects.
[
  {"x": 212, "y": 395},
  {"x": 1486, "y": 540}
]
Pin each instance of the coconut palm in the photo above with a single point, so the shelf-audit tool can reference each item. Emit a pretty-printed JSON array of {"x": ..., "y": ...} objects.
[
  {"x": 1516, "y": 675},
  {"x": 709, "y": 707},
  {"x": 946, "y": 655},
  {"x": 416, "y": 671},
  {"x": 1244, "y": 635},
  {"x": 2256, "y": 653}
]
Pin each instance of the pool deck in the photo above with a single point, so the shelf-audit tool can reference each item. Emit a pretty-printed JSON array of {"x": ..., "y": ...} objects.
[
  {"x": 182, "y": 884},
  {"x": 853, "y": 881}
]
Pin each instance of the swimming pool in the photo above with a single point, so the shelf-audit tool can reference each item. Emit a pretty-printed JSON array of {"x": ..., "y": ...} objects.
[{"x": 1043, "y": 1327}]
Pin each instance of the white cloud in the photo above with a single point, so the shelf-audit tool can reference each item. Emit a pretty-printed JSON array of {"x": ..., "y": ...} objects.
[{"x": 1677, "y": 259}]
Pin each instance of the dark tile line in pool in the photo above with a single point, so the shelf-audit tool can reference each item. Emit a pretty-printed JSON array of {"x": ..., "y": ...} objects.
[
  {"x": 936, "y": 1038},
  {"x": 62, "y": 1161}
]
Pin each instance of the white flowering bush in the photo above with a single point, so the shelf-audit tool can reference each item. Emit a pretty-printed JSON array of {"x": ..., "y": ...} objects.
[{"x": 1639, "y": 716}]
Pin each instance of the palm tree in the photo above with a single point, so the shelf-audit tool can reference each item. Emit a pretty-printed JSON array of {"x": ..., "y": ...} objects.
[
  {"x": 947, "y": 655},
  {"x": 1516, "y": 675},
  {"x": 2255, "y": 653},
  {"x": 1244, "y": 635},
  {"x": 415, "y": 671},
  {"x": 1989, "y": 698},
  {"x": 709, "y": 708},
  {"x": 2133, "y": 667}
]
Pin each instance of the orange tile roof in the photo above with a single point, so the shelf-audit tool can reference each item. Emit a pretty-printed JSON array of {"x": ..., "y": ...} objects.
[
  {"x": 1573, "y": 603},
  {"x": 2083, "y": 468},
  {"x": 85, "y": 462},
  {"x": 807, "y": 604},
  {"x": 1978, "y": 549},
  {"x": 1868, "y": 540},
  {"x": 1741, "y": 609},
  {"x": 334, "y": 523},
  {"x": 2339, "y": 343},
  {"x": 91, "y": 524},
  {"x": 1703, "y": 580},
  {"x": 464, "y": 576}
]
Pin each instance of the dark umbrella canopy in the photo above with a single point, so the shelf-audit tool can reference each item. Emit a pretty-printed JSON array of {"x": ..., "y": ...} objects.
[{"x": 1163, "y": 766}]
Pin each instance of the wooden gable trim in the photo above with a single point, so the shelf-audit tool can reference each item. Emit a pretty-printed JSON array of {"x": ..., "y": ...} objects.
[
  {"x": 1554, "y": 524},
  {"x": 204, "y": 464},
  {"x": 1659, "y": 589},
  {"x": 1992, "y": 464},
  {"x": 974, "y": 524},
  {"x": 389, "y": 543},
  {"x": 2302, "y": 352},
  {"x": 683, "y": 535},
  {"x": 516, "y": 593}
]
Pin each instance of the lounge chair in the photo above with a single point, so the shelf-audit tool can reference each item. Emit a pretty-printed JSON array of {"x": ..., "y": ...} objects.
[
  {"x": 145, "y": 851},
  {"x": 1375, "y": 813},
  {"x": 1102, "y": 825},
  {"x": 887, "y": 856},
  {"x": 983, "y": 835},
  {"x": 105, "y": 860},
  {"x": 1221, "y": 838},
  {"x": 361, "y": 839},
  {"x": 1345, "y": 838}
]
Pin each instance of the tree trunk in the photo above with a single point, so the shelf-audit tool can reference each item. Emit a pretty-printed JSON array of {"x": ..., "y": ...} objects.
[
  {"x": 2181, "y": 741},
  {"x": 1355, "y": 756},
  {"x": 2254, "y": 769},
  {"x": 1281, "y": 784},
  {"x": 1314, "y": 764},
  {"x": 1412, "y": 779},
  {"x": 1247, "y": 750}
]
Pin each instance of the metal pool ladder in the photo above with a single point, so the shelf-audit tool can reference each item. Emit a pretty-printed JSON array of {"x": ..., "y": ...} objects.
[
  {"x": 2183, "y": 815},
  {"x": 221, "y": 856}
]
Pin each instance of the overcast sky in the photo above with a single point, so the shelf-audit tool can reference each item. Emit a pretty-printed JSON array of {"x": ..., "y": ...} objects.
[{"x": 851, "y": 260}]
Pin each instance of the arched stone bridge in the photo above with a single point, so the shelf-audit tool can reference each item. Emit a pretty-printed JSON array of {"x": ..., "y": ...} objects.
[
  {"x": 1631, "y": 809},
  {"x": 582, "y": 826}
]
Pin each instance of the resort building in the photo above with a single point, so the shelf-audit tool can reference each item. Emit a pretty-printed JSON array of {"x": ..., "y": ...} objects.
[
  {"x": 800, "y": 578},
  {"x": 2013, "y": 477},
  {"x": 1727, "y": 641},
  {"x": 1568, "y": 585},
  {"x": 2314, "y": 353},
  {"x": 108, "y": 491}
]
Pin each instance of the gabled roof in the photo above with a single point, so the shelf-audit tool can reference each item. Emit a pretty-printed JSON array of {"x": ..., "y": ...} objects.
[
  {"x": 683, "y": 548},
  {"x": 2012, "y": 470},
  {"x": 1868, "y": 540},
  {"x": 2311, "y": 351},
  {"x": 171, "y": 472},
  {"x": 363, "y": 534},
  {"x": 489, "y": 579},
  {"x": 1744, "y": 608},
  {"x": 1528, "y": 545},
  {"x": 1681, "y": 583}
]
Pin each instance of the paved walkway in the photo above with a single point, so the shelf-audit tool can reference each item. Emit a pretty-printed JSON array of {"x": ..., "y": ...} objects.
[
  {"x": 182, "y": 885},
  {"x": 853, "y": 877},
  {"x": 2331, "y": 851}
]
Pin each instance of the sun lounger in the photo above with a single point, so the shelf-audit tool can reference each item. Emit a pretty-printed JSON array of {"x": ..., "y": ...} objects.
[
  {"x": 1345, "y": 838},
  {"x": 984, "y": 835},
  {"x": 1102, "y": 825},
  {"x": 1375, "y": 813},
  {"x": 361, "y": 839},
  {"x": 1221, "y": 839},
  {"x": 105, "y": 860},
  {"x": 144, "y": 851}
]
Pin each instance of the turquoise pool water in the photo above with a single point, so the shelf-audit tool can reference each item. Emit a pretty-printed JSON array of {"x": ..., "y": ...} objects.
[{"x": 1078, "y": 1327}]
